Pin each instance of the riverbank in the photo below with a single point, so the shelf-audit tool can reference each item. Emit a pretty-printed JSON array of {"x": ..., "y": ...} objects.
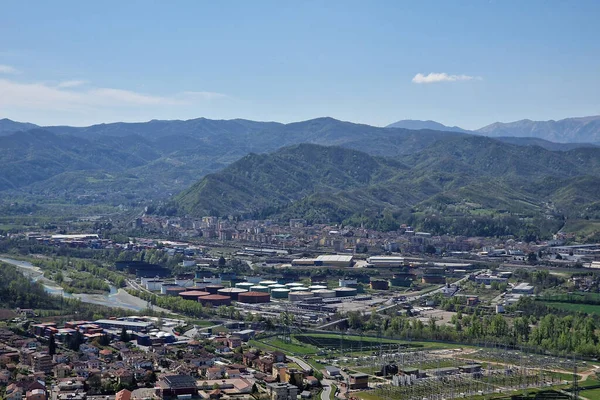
[{"x": 118, "y": 298}]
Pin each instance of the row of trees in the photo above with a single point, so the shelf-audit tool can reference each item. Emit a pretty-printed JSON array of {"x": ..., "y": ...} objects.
[{"x": 541, "y": 328}]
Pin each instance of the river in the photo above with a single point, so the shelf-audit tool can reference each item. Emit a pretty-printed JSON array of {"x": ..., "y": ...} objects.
[{"x": 115, "y": 298}]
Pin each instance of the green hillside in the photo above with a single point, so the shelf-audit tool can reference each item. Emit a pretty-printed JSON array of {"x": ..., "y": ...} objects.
[
  {"x": 129, "y": 163},
  {"x": 464, "y": 185}
]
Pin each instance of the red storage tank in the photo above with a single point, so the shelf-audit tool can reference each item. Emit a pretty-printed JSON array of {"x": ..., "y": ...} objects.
[
  {"x": 254, "y": 297},
  {"x": 215, "y": 300},
  {"x": 193, "y": 294}
]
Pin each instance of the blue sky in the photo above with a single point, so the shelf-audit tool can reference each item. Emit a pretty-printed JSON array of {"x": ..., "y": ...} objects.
[{"x": 80, "y": 62}]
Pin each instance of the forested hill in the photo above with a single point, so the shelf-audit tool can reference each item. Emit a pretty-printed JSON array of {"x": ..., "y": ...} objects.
[
  {"x": 134, "y": 163},
  {"x": 122, "y": 162},
  {"x": 526, "y": 187},
  {"x": 257, "y": 182}
]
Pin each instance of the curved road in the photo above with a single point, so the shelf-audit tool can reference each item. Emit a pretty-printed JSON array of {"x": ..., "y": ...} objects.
[
  {"x": 327, "y": 384},
  {"x": 326, "y": 393}
]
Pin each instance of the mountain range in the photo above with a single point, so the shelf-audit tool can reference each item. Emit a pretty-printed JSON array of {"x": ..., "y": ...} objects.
[
  {"x": 569, "y": 130},
  {"x": 452, "y": 183},
  {"x": 433, "y": 125},
  {"x": 155, "y": 159},
  {"x": 364, "y": 174}
]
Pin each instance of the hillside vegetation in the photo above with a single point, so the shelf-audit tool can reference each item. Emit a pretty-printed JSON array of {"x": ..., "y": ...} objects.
[
  {"x": 126, "y": 163},
  {"x": 461, "y": 185}
]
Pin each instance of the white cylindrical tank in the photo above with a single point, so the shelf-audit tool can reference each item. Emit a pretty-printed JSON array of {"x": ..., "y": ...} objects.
[
  {"x": 300, "y": 296},
  {"x": 324, "y": 293}
]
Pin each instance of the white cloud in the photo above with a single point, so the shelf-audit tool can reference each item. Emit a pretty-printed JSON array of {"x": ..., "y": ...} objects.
[
  {"x": 69, "y": 95},
  {"x": 435, "y": 77},
  {"x": 7, "y": 69},
  {"x": 71, "y": 84}
]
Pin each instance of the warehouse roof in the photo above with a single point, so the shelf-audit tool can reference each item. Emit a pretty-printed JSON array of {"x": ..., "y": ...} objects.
[
  {"x": 126, "y": 323},
  {"x": 335, "y": 258}
]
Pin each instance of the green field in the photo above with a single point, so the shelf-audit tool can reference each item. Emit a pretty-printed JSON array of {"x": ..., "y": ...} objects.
[
  {"x": 333, "y": 390},
  {"x": 315, "y": 343},
  {"x": 277, "y": 344},
  {"x": 574, "y": 307},
  {"x": 576, "y": 297},
  {"x": 593, "y": 394},
  {"x": 353, "y": 342},
  {"x": 581, "y": 227}
]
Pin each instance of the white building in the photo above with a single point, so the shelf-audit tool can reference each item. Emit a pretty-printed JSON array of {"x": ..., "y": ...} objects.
[{"x": 348, "y": 282}]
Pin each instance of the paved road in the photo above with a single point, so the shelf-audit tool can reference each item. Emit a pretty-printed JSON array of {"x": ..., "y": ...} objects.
[
  {"x": 303, "y": 364},
  {"x": 327, "y": 388},
  {"x": 327, "y": 383}
]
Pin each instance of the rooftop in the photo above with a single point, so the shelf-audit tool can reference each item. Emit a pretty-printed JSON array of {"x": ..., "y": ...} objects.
[
  {"x": 334, "y": 258},
  {"x": 119, "y": 322},
  {"x": 179, "y": 381}
]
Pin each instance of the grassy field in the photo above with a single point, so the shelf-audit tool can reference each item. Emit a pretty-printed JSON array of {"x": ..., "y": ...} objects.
[
  {"x": 574, "y": 307},
  {"x": 592, "y": 394},
  {"x": 577, "y": 297},
  {"x": 278, "y": 344},
  {"x": 367, "y": 395},
  {"x": 589, "y": 382},
  {"x": 581, "y": 227},
  {"x": 333, "y": 390},
  {"x": 353, "y": 342}
]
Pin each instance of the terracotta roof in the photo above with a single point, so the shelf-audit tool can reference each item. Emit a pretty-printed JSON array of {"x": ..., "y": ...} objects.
[{"x": 123, "y": 395}]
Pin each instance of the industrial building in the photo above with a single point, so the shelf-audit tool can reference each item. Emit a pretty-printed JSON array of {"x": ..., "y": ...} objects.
[
  {"x": 359, "y": 381},
  {"x": 433, "y": 275},
  {"x": 325, "y": 261},
  {"x": 129, "y": 325},
  {"x": 523, "y": 288},
  {"x": 402, "y": 278},
  {"x": 386, "y": 261},
  {"x": 488, "y": 279},
  {"x": 379, "y": 284}
]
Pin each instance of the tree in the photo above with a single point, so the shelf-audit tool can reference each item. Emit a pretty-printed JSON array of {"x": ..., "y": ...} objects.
[
  {"x": 75, "y": 341},
  {"x": 362, "y": 248},
  {"x": 124, "y": 335},
  {"x": 430, "y": 249},
  {"x": 222, "y": 262},
  {"x": 355, "y": 320},
  {"x": 52, "y": 345}
]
